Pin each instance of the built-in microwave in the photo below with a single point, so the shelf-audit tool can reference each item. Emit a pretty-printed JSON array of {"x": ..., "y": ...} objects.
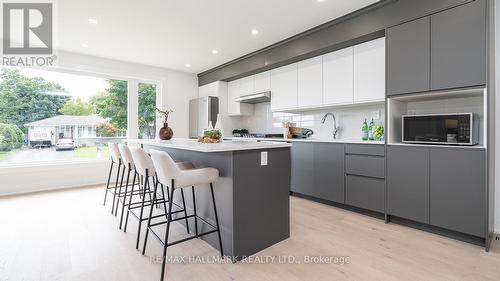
[{"x": 448, "y": 129}]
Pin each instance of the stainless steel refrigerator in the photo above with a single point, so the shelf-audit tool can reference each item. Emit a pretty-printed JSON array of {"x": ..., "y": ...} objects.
[{"x": 201, "y": 112}]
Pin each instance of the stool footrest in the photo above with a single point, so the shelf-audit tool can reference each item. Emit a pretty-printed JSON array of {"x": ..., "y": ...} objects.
[
  {"x": 172, "y": 220},
  {"x": 156, "y": 216},
  {"x": 137, "y": 205},
  {"x": 181, "y": 240}
]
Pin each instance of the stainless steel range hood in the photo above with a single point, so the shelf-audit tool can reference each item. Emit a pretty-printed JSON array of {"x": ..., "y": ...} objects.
[{"x": 255, "y": 98}]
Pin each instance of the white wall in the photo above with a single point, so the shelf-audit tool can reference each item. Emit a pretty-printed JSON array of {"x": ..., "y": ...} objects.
[
  {"x": 497, "y": 117},
  {"x": 177, "y": 88},
  {"x": 29, "y": 178}
]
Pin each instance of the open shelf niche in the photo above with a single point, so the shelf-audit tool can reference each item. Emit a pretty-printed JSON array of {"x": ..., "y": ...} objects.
[{"x": 457, "y": 101}]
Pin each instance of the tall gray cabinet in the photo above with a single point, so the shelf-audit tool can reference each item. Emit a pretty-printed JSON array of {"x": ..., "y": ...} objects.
[
  {"x": 408, "y": 64},
  {"x": 445, "y": 50},
  {"x": 457, "y": 190},
  {"x": 458, "y": 46},
  {"x": 443, "y": 187},
  {"x": 408, "y": 182}
]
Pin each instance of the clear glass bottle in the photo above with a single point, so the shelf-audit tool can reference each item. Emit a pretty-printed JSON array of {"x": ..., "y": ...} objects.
[
  {"x": 370, "y": 130},
  {"x": 364, "y": 131}
]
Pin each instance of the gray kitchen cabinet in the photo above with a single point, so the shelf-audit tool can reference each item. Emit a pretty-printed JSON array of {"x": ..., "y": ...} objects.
[
  {"x": 408, "y": 66},
  {"x": 365, "y": 165},
  {"x": 302, "y": 168},
  {"x": 457, "y": 190},
  {"x": 365, "y": 149},
  {"x": 365, "y": 192},
  {"x": 365, "y": 173},
  {"x": 329, "y": 171},
  {"x": 408, "y": 182},
  {"x": 458, "y": 46},
  {"x": 318, "y": 170}
]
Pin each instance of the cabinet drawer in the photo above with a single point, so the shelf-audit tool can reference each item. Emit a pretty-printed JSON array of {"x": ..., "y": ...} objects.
[
  {"x": 366, "y": 149},
  {"x": 366, "y": 193},
  {"x": 365, "y": 165}
]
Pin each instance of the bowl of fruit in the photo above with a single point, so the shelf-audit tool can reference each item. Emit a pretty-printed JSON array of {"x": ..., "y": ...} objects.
[{"x": 210, "y": 136}]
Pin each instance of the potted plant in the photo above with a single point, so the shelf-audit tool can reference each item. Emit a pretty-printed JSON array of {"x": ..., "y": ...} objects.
[{"x": 165, "y": 132}]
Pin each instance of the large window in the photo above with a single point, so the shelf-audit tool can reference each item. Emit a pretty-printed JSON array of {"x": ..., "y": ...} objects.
[
  {"x": 147, "y": 111},
  {"x": 53, "y": 116}
]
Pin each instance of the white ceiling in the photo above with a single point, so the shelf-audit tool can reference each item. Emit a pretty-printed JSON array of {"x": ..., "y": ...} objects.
[{"x": 172, "y": 33}]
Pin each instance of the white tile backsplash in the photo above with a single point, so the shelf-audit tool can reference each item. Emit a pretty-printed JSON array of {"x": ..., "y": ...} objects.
[{"x": 350, "y": 120}]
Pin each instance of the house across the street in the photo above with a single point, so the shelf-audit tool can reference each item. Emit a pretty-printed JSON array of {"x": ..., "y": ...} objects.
[{"x": 47, "y": 132}]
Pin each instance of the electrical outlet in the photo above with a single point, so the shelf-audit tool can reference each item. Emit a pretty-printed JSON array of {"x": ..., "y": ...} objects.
[
  {"x": 376, "y": 115},
  {"x": 263, "y": 158}
]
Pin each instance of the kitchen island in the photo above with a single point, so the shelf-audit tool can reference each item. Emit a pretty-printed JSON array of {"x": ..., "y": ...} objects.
[{"x": 252, "y": 193}]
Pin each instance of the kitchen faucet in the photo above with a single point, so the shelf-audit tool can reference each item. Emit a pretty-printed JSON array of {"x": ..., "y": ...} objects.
[{"x": 335, "y": 128}]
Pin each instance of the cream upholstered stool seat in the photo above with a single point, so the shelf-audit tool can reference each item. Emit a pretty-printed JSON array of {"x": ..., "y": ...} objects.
[
  {"x": 168, "y": 173},
  {"x": 116, "y": 160},
  {"x": 145, "y": 169}
]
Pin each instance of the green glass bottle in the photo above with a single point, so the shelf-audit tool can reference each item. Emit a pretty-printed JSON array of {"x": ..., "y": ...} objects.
[
  {"x": 370, "y": 130},
  {"x": 364, "y": 131}
]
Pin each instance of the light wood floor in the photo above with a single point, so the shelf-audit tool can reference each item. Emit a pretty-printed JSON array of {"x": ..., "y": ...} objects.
[{"x": 69, "y": 235}]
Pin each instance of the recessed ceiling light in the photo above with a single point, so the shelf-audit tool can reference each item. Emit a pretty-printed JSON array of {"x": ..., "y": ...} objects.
[
  {"x": 92, "y": 21},
  {"x": 85, "y": 45},
  {"x": 188, "y": 65},
  {"x": 255, "y": 31},
  {"x": 215, "y": 52},
  {"x": 320, "y": 1}
]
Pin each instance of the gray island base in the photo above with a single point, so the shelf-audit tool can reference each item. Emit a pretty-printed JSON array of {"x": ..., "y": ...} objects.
[{"x": 252, "y": 197}]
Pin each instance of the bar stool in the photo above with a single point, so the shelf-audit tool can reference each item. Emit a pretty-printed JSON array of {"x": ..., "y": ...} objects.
[
  {"x": 128, "y": 162},
  {"x": 169, "y": 173},
  {"x": 115, "y": 160},
  {"x": 145, "y": 169}
]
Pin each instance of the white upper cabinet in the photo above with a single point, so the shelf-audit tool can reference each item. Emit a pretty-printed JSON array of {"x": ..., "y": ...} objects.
[
  {"x": 262, "y": 82},
  {"x": 284, "y": 87},
  {"x": 246, "y": 85},
  {"x": 236, "y": 89},
  {"x": 310, "y": 82},
  {"x": 338, "y": 77},
  {"x": 347, "y": 76},
  {"x": 369, "y": 71}
]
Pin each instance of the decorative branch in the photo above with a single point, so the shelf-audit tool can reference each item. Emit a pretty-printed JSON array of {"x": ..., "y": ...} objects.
[{"x": 164, "y": 113}]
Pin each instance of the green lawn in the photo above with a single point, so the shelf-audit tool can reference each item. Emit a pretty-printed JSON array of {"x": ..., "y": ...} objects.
[
  {"x": 4, "y": 155},
  {"x": 91, "y": 152}
]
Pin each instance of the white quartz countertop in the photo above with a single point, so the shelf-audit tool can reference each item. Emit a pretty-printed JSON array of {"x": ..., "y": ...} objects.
[
  {"x": 194, "y": 145},
  {"x": 355, "y": 141}
]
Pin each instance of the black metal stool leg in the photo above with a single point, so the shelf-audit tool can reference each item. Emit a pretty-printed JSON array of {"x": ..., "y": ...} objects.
[
  {"x": 216, "y": 219},
  {"x": 107, "y": 185},
  {"x": 116, "y": 185},
  {"x": 120, "y": 190},
  {"x": 146, "y": 183},
  {"x": 130, "y": 201},
  {"x": 155, "y": 180},
  {"x": 149, "y": 218},
  {"x": 124, "y": 203},
  {"x": 195, "y": 215},
  {"x": 164, "y": 199},
  {"x": 185, "y": 212},
  {"x": 169, "y": 218}
]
